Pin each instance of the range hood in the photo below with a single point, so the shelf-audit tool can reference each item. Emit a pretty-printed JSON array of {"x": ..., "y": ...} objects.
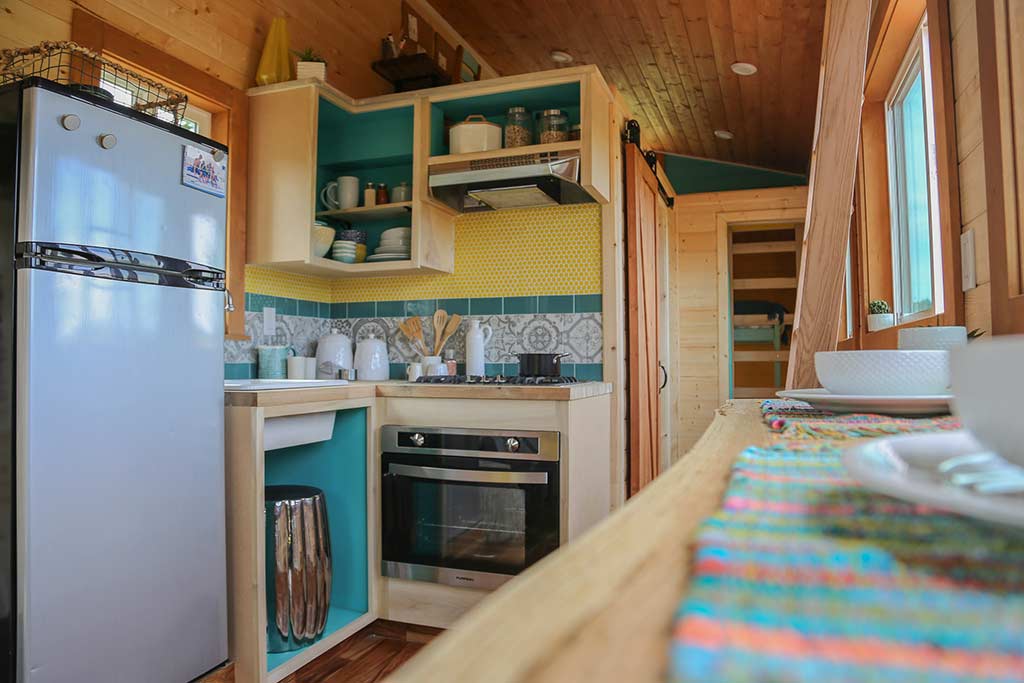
[{"x": 516, "y": 182}]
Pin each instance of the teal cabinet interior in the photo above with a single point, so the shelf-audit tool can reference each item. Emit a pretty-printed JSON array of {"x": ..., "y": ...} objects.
[
  {"x": 338, "y": 468},
  {"x": 494, "y": 106},
  {"x": 376, "y": 147}
]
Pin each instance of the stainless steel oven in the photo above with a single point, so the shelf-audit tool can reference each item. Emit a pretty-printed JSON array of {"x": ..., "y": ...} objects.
[{"x": 467, "y": 507}]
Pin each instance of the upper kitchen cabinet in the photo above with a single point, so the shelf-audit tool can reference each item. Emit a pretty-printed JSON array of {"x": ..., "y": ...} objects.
[
  {"x": 545, "y": 167},
  {"x": 303, "y": 136}
]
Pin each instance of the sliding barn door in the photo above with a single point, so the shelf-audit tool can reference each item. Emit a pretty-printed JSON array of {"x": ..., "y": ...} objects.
[{"x": 642, "y": 201}]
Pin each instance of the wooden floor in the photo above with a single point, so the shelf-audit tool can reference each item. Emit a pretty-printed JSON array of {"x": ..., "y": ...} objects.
[{"x": 368, "y": 656}]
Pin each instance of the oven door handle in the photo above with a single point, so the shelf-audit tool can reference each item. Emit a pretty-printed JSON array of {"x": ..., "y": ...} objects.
[{"x": 471, "y": 476}]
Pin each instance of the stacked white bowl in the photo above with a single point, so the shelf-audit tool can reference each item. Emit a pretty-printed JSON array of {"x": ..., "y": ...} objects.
[
  {"x": 919, "y": 368},
  {"x": 395, "y": 245}
]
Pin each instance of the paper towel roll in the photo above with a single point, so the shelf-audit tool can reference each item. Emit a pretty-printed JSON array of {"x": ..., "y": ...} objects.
[{"x": 295, "y": 430}]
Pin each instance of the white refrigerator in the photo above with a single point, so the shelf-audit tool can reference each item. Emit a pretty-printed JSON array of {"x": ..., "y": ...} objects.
[{"x": 111, "y": 393}]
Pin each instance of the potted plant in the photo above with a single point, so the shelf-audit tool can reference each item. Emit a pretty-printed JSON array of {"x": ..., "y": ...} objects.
[
  {"x": 880, "y": 316},
  {"x": 311, "y": 65}
]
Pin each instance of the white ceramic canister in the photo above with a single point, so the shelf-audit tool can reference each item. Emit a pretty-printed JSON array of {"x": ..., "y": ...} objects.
[
  {"x": 475, "y": 134},
  {"x": 371, "y": 361},
  {"x": 333, "y": 352},
  {"x": 476, "y": 343}
]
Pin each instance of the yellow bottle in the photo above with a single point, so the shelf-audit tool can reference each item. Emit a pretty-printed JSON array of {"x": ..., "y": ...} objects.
[{"x": 275, "y": 63}]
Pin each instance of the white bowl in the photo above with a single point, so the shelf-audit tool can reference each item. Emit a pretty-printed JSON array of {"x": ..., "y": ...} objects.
[
  {"x": 932, "y": 338},
  {"x": 396, "y": 233},
  {"x": 988, "y": 376},
  {"x": 883, "y": 373},
  {"x": 323, "y": 238}
]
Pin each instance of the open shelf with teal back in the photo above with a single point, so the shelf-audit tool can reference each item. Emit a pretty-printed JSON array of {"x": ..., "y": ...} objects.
[
  {"x": 564, "y": 96},
  {"x": 375, "y": 146},
  {"x": 338, "y": 468}
]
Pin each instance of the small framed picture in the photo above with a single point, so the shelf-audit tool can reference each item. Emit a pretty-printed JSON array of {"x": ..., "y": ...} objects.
[{"x": 200, "y": 171}]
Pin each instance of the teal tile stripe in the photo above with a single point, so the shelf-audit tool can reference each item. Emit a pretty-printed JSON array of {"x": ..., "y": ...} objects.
[
  {"x": 495, "y": 305},
  {"x": 284, "y": 306},
  {"x": 509, "y": 305},
  {"x": 239, "y": 371},
  {"x": 581, "y": 371}
]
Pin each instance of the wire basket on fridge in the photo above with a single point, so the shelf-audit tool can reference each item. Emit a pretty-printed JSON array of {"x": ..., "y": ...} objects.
[{"x": 72, "y": 65}]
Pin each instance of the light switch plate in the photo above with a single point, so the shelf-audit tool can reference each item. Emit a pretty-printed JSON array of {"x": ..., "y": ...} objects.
[
  {"x": 269, "y": 321},
  {"x": 968, "y": 274}
]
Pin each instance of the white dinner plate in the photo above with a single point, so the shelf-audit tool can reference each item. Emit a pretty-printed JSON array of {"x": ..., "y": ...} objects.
[
  {"x": 903, "y": 406},
  {"x": 906, "y": 467},
  {"x": 388, "y": 257},
  {"x": 391, "y": 250}
]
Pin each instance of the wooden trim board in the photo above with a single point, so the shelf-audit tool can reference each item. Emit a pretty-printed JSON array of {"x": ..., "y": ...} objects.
[{"x": 830, "y": 190}]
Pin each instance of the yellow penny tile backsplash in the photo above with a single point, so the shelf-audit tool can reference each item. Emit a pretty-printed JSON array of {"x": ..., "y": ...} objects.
[
  {"x": 548, "y": 251},
  {"x": 294, "y": 286}
]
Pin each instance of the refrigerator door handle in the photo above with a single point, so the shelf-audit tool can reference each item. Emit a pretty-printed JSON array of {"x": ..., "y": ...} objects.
[
  {"x": 65, "y": 256},
  {"x": 118, "y": 264}
]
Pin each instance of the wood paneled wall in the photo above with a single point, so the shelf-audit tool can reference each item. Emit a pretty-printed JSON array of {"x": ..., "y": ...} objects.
[
  {"x": 971, "y": 156},
  {"x": 699, "y": 298},
  {"x": 225, "y": 37}
]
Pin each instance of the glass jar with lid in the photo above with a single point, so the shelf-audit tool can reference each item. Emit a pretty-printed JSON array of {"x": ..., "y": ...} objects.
[
  {"x": 575, "y": 132},
  {"x": 553, "y": 126},
  {"x": 517, "y": 127}
]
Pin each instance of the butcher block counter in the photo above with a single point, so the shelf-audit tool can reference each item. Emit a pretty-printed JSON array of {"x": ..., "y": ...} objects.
[{"x": 399, "y": 389}]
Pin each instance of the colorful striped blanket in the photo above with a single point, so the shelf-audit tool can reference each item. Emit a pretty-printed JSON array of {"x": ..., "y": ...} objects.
[
  {"x": 799, "y": 420},
  {"x": 804, "y": 576}
]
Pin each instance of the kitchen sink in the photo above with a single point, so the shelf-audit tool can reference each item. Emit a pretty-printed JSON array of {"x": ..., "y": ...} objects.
[{"x": 264, "y": 384}]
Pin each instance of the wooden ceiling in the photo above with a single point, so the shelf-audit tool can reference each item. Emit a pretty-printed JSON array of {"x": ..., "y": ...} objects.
[{"x": 670, "y": 60}]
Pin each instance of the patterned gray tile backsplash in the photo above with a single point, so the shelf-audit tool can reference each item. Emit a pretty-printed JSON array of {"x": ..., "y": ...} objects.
[{"x": 578, "y": 334}]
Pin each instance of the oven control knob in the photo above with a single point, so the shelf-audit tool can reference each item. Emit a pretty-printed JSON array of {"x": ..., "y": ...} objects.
[
  {"x": 108, "y": 141},
  {"x": 513, "y": 444},
  {"x": 70, "y": 122},
  {"x": 418, "y": 439}
]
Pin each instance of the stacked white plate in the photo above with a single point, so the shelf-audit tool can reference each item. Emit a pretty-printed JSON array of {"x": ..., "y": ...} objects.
[
  {"x": 903, "y": 382},
  {"x": 394, "y": 245}
]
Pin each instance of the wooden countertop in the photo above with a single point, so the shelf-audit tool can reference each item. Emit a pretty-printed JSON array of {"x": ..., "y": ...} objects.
[
  {"x": 600, "y": 609},
  {"x": 282, "y": 397},
  {"x": 563, "y": 392},
  {"x": 400, "y": 389}
]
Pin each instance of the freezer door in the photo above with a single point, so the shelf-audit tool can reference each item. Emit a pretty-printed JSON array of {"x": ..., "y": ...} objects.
[
  {"x": 74, "y": 190},
  {"x": 120, "y": 480}
]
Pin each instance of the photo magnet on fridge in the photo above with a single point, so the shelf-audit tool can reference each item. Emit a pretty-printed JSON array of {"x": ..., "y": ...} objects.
[{"x": 200, "y": 171}]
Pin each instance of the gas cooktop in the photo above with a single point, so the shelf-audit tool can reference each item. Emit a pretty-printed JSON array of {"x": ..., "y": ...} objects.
[{"x": 496, "y": 379}]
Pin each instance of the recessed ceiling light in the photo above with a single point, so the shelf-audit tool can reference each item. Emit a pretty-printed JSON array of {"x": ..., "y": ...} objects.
[
  {"x": 723, "y": 134},
  {"x": 560, "y": 57},
  {"x": 743, "y": 69}
]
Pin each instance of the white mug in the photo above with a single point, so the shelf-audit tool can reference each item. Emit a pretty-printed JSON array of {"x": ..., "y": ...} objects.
[
  {"x": 296, "y": 367},
  {"x": 310, "y": 367},
  {"x": 342, "y": 193},
  {"x": 433, "y": 367},
  {"x": 328, "y": 196},
  {"x": 348, "y": 192},
  {"x": 932, "y": 338},
  {"x": 413, "y": 371}
]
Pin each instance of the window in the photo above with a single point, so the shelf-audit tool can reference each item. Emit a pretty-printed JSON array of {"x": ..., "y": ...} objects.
[
  {"x": 913, "y": 193},
  {"x": 195, "y": 119}
]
